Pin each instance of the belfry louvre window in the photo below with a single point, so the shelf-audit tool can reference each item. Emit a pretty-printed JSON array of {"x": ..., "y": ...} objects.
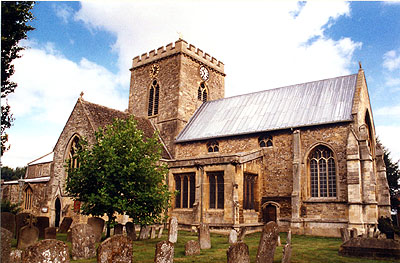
[
  {"x": 185, "y": 187},
  {"x": 28, "y": 198},
  {"x": 154, "y": 94},
  {"x": 216, "y": 183},
  {"x": 248, "y": 190},
  {"x": 322, "y": 172},
  {"x": 202, "y": 92}
]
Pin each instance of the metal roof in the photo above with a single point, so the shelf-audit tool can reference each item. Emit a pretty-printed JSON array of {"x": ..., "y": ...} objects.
[
  {"x": 30, "y": 180},
  {"x": 307, "y": 104}
]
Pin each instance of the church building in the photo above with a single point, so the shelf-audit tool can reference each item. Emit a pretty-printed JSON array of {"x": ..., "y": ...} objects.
[{"x": 304, "y": 156}]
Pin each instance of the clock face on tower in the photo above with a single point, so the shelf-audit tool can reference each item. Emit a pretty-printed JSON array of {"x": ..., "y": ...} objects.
[
  {"x": 204, "y": 73},
  {"x": 154, "y": 70}
]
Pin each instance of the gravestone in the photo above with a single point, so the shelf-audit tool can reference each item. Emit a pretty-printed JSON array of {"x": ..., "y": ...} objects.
[
  {"x": 97, "y": 224},
  {"x": 233, "y": 236},
  {"x": 15, "y": 256},
  {"x": 192, "y": 247},
  {"x": 238, "y": 253},
  {"x": 173, "y": 230},
  {"x": 242, "y": 233},
  {"x": 153, "y": 232},
  {"x": 164, "y": 252},
  {"x": 204, "y": 236},
  {"x": 289, "y": 237},
  {"x": 370, "y": 248},
  {"x": 160, "y": 231},
  {"x": 47, "y": 250},
  {"x": 115, "y": 249},
  {"x": 6, "y": 237},
  {"x": 8, "y": 222},
  {"x": 144, "y": 232},
  {"x": 50, "y": 233},
  {"x": 65, "y": 224},
  {"x": 267, "y": 245},
  {"x": 41, "y": 223},
  {"x": 278, "y": 243},
  {"x": 27, "y": 236},
  {"x": 21, "y": 220},
  {"x": 118, "y": 229},
  {"x": 130, "y": 230},
  {"x": 69, "y": 236},
  {"x": 287, "y": 253},
  {"x": 83, "y": 242},
  {"x": 344, "y": 233}
]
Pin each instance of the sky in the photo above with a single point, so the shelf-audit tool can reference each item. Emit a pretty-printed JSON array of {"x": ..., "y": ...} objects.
[{"x": 88, "y": 46}]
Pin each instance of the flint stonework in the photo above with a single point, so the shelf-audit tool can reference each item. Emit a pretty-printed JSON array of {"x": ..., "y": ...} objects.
[
  {"x": 164, "y": 252},
  {"x": 115, "y": 249},
  {"x": 192, "y": 247},
  {"x": 50, "y": 233},
  {"x": 46, "y": 250},
  {"x": 28, "y": 235},
  {"x": 204, "y": 236},
  {"x": 268, "y": 241},
  {"x": 173, "y": 230},
  {"x": 6, "y": 237},
  {"x": 83, "y": 242},
  {"x": 97, "y": 224},
  {"x": 238, "y": 253},
  {"x": 65, "y": 224},
  {"x": 8, "y": 222}
]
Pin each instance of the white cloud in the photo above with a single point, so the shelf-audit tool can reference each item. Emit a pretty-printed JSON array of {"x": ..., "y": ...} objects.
[
  {"x": 389, "y": 137},
  {"x": 64, "y": 12},
  {"x": 391, "y": 60}
]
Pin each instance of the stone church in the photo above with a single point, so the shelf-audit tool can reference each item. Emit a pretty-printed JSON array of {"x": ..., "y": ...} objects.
[{"x": 304, "y": 155}]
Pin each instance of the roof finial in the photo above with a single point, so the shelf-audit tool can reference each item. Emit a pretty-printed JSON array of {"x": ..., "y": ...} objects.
[
  {"x": 81, "y": 95},
  {"x": 180, "y": 35},
  {"x": 359, "y": 64}
]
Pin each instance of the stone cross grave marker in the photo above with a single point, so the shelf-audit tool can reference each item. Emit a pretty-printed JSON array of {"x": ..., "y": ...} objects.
[
  {"x": 50, "y": 233},
  {"x": 118, "y": 229},
  {"x": 192, "y": 247},
  {"x": 83, "y": 242},
  {"x": 28, "y": 235},
  {"x": 173, "y": 230},
  {"x": 238, "y": 253},
  {"x": 6, "y": 237},
  {"x": 8, "y": 222},
  {"x": 41, "y": 223},
  {"x": 267, "y": 245},
  {"x": 233, "y": 237},
  {"x": 115, "y": 249},
  {"x": 130, "y": 230},
  {"x": 65, "y": 224},
  {"x": 47, "y": 250},
  {"x": 97, "y": 224},
  {"x": 164, "y": 252},
  {"x": 204, "y": 236}
]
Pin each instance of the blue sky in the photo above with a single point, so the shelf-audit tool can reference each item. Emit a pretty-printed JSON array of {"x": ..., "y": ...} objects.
[{"x": 88, "y": 46}]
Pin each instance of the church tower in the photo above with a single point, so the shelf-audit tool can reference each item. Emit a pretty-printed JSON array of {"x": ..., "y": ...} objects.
[{"x": 168, "y": 85}]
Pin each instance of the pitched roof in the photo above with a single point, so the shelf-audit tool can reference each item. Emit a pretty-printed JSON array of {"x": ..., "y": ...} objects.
[{"x": 307, "y": 104}]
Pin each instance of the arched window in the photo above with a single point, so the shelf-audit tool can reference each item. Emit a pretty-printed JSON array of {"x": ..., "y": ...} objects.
[
  {"x": 185, "y": 188},
  {"x": 154, "y": 94},
  {"x": 28, "y": 198},
  {"x": 249, "y": 181},
  {"x": 265, "y": 141},
  {"x": 322, "y": 172},
  {"x": 213, "y": 146},
  {"x": 72, "y": 157},
  {"x": 370, "y": 141},
  {"x": 202, "y": 92},
  {"x": 216, "y": 187}
]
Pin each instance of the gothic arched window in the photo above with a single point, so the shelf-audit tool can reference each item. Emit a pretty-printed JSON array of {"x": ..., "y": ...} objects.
[
  {"x": 185, "y": 187},
  {"x": 216, "y": 185},
  {"x": 154, "y": 94},
  {"x": 72, "y": 157},
  {"x": 202, "y": 92},
  {"x": 265, "y": 141},
  {"x": 213, "y": 146},
  {"x": 28, "y": 198},
  {"x": 322, "y": 172}
]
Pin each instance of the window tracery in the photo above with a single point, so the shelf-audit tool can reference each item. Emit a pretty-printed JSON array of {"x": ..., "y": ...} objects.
[
  {"x": 213, "y": 146},
  {"x": 202, "y": 92},
  {"x": 28, "y": 198},
  {"x": 216, "y": 185},
  {"x": 185, "y": 187},
  {"x": 154, "y": 94},
  {"x": 265, "y": 141}
]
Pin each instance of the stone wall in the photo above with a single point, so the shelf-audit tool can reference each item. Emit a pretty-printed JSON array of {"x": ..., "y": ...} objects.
[{"x": 39, "y": 170}]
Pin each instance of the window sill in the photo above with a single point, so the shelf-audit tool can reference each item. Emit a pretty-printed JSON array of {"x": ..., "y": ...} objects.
[
  {"x": 183, "y": 209},
  {"x": 324, "y": 200}
]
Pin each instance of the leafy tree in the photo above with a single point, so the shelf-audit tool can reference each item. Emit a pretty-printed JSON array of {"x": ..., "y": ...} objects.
[
  {"x": 393, "y": 177},
  {"x": 7, "y": 206},
  {"x": 120, "y": 173},
  {"x": 8, "y": 174},
  {"x": 14, "y": 19}
]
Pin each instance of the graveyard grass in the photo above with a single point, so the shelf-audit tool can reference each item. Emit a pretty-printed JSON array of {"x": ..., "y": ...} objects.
[{"x": 306, "y": 249}]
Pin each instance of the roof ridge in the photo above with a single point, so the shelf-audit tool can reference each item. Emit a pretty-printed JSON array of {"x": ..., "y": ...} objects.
[{"x": 102, "y": 106}]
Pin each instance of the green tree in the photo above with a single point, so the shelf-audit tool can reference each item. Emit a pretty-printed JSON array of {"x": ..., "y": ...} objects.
[
  {"x": 120, "y": 173},
  {"x": 14, "y": 27},
  {"x": 8, "y": 173},
  {"x": 393, "y": 177}
]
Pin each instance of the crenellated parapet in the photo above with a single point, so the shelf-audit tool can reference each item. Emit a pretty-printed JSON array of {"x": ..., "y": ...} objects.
[{"x": 179, "y": 47}]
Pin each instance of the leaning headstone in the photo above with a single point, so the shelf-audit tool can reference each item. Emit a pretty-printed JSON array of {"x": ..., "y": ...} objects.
[
  {"x": 27, "y": 236},
  {"x": 83, "y": 242},
  {"x": 130, "y": 230},
  {"x": 267, "y": 245},
  {"x": 238, "y": 253},
  {"x": 242, "y": 233},
  {"x": 192, "y": 247},
  {"x": 173, "y": 230},
  {"x": 204, "y": 236},
  {"x": 344, "y": 234},
  {"x": 41, "y": 223},
  {"x": 232, "y": 237},
  {"x": 118, "y": 229},
  {"x": 287, "y": 253},
  {"x": 278, "y": 243},
  {"x": 6, "y": 237},
  {"x": 160, "y": 231},
  {"x": 50, "y": 233},
  {"x": 47, "y": 250},
  {"x": 65, "y": 224},
  {"x": 144, "y": 232},
  {"x": 97, "y": 224},
  {"x": 115, "y": 249},
  {"x": 15, "y": 256},
  {"x": 21, "y": 220},
  {"x": 164, "y": 252},
  {"x": 153, "y": 232},
  {"x": 8, "y": 222}
]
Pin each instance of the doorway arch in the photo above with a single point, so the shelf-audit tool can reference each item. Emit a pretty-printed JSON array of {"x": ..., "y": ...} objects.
[
  {"x": 57, "y": 206},
  {"x": 270, "y": 212}
]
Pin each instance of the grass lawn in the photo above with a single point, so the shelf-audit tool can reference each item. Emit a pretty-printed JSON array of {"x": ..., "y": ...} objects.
[{"x": 305, "y": 249}]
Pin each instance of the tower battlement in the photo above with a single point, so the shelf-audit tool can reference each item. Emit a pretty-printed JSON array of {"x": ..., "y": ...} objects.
[{"x": 180, "y": 46}]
